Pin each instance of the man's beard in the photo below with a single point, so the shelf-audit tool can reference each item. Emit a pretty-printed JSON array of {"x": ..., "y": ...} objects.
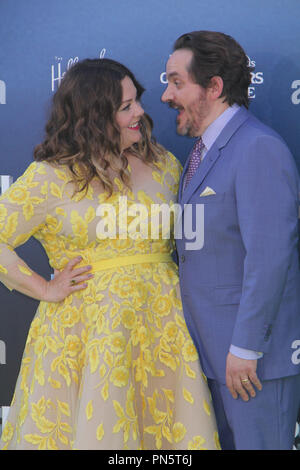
[
  {"x": 194, "y": 119},
  {"x": 187, "y": 130}
]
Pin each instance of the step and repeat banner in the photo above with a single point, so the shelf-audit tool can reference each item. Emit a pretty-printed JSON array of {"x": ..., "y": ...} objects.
[{"x": 40, "y": 40}]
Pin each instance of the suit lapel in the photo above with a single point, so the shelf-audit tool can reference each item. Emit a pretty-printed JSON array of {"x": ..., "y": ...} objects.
[
  {"x": 211, "y": 157},
  {"x": 200, "y": 174},
  {"x": 182, "y": 178}
]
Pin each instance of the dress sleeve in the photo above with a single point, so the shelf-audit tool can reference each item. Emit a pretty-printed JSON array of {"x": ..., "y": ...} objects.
[{"x": 23, "y": 210}]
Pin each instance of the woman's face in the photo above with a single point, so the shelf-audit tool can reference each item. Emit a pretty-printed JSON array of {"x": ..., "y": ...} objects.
[{"x": 129, "y": 114}]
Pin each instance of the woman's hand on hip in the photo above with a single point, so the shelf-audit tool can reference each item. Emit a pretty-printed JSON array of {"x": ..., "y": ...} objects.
[{"x": 67, "y": 281}]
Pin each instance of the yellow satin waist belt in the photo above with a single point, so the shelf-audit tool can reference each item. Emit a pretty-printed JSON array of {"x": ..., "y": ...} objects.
[{"x": 104, "y": 264}]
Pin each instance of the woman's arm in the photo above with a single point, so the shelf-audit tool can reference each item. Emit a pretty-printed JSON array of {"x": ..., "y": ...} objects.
[
  {"x": 23, "y": 210},
  {"x": 19, "y": 277}
]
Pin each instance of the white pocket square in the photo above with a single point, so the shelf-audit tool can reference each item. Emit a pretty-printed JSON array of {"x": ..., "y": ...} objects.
[{"x": 207, "y": 192}]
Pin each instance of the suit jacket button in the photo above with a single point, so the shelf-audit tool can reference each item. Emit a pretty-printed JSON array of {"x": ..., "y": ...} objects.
[{"x": 182, "y": 258}]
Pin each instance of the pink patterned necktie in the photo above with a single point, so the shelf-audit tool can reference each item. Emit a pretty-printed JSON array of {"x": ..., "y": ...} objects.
[{"x": 194, "y": 160}]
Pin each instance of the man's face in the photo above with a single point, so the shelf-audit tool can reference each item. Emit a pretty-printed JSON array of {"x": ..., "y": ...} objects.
[{"x": 183, "y": 94}]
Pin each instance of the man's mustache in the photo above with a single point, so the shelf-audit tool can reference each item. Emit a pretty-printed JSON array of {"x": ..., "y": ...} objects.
[{"x": 174, "y": 105}]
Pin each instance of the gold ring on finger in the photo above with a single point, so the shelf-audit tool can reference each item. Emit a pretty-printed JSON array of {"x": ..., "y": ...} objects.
[{"x": 244, "y": 380}]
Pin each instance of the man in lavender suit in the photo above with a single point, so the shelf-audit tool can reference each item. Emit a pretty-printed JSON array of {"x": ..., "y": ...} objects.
[{"x": 241, "y": 289}]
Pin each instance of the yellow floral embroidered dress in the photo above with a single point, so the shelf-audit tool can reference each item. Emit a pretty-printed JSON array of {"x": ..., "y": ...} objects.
[{"x": 111, "y": 366}]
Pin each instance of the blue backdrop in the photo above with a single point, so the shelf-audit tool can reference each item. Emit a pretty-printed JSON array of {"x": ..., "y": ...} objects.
[{"x": 39, "y": 40}]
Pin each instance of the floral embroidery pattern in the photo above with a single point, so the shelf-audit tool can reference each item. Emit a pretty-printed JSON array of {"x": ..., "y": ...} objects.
[{"x": 112, "y": 366}]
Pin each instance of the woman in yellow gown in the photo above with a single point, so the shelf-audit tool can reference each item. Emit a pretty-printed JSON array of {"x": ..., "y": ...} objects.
[{"x": 108, "y": 363}]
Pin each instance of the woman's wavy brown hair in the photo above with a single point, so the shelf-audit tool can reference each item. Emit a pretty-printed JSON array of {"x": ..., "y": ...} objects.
[{"x": 82, "y": 132}]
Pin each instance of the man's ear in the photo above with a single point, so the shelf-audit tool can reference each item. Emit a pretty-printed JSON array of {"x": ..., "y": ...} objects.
[{"x": 215, "y": 87}]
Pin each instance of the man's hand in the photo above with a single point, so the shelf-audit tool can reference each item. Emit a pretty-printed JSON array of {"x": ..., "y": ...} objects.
[{"x": 241, "y": 377}]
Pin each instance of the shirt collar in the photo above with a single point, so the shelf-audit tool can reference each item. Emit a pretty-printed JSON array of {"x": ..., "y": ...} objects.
[{"x": 215, "y": 128}]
